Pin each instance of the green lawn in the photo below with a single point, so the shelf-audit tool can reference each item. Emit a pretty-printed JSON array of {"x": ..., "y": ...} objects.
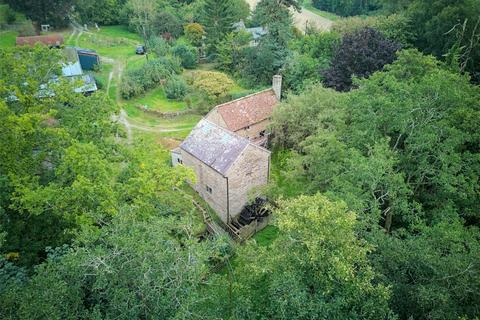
[
  {"x": 112, "y": 41},
  {"x": 7, "y": 39},
  {"x": 307, "y": 4},
  {"x": 120, "y": 31},
  {"x": 135, "y": 62},
  {"x": 156, "y": 100}
]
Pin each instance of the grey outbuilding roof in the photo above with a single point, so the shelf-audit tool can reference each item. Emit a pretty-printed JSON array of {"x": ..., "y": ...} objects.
[{"x": 215, "y": 146}]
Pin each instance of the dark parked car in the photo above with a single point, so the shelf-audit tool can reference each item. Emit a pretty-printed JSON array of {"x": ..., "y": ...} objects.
[{"x": 141, "y": 49}]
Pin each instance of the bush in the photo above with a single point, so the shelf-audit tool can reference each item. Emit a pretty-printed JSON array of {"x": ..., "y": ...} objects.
[
  {"x": 360, "y": 54},
  {"x": 175, "y": 88},
  {"x": 396, "y": 27},
  {"x": 172, "y": 64},
  {"x": 159, "y": 46},
  {"x": 194, "y": 33},
  {"x": 188, "y": 55},
  {"x": 152, "y": 73},
  {"x": 27, "y": 30},
  {"x": 214, "y": 84}
]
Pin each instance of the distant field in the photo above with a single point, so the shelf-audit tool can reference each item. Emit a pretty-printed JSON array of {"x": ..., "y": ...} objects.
[{"x": 307, "y": 4}]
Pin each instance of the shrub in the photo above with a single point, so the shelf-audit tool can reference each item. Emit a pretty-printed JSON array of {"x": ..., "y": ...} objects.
[
  {"x": 360, "y": 54},
  {"x": 159, "y": 46},
  {"x": 194, "y": 33},
  {"x": 187, "y": 54},
  {"x": 152, "y": 73},
  {"x": 396, "y": 27},
  {"x": 214, "y": 84},
  {"x": 172, "y": 64},
  {"x": 27, "y": 30},
  {"x": 175, "y": 88}
]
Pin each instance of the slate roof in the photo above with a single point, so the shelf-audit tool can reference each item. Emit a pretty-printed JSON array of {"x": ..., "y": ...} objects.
[
  {"x": 215, "y": 146},
  {"x": 248, "y": 110}
]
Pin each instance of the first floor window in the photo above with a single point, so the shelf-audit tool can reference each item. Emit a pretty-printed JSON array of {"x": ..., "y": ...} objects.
[
  {"x": 209, "y": 190},
  {"x": 262, "y": 133}
]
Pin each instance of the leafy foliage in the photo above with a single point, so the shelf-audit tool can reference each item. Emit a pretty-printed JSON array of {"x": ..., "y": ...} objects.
[
  {"x": 53, "y": 12},
  {"x": 102, "y": 12},
  {"x": 151, "y": 74},
  {"x": 175, "y": 88},
  {"x": 360, "y": 54},
  {"x": 217, "y": 18},
  {"x": 188, "y": 55},
  {"x": 346, "y": 7},
  {"x": 194, "y": 33},
  {"x": 301, "y": 270},
  {"x": 214, "y": 84},
  {"x": 391, "y": 149}
]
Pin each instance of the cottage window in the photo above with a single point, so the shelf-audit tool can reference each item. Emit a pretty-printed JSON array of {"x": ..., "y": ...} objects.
[
  {"x": 209, "y": 190},
  {"x": 179, "y": 160},
  {"x": 262, "y": 133}
]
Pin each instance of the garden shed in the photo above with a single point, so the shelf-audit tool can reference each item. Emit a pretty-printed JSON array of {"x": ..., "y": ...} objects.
[{"x": 89, "y": 59}]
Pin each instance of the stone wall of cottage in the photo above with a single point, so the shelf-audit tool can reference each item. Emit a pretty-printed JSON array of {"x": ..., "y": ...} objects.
[
  {"x": 249, "y": 171},
  {"x": 176, "y": 157},
  {"x": 207, "y": 177},
  {"x": 253, "y": 132}
]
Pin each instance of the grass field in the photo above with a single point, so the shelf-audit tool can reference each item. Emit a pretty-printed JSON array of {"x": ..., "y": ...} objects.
[
  {"x": 111, "y": 41},
  {"x": 307, "y": 4},
  {"x": 7, "y": 39},
  {"x": 156, "y": 100}
]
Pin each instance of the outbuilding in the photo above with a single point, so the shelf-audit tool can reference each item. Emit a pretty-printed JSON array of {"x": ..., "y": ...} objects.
[{"x": 89, "y": 59}]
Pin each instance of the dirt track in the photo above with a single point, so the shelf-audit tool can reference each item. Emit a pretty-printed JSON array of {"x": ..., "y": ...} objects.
[{"x": 304, "y": 18}]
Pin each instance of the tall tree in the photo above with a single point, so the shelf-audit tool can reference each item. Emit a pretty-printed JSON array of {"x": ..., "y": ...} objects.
[
  {"x": 360, "y": 54},
  {"x": 53, "y": 12},
  {"x": 142, "y": 17},
  {"x": 218, "y": 18},
  {"x": 316, "y": 269}
]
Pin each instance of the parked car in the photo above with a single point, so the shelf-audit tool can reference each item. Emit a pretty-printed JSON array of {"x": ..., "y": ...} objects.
[{"x": 141, "y": 49}]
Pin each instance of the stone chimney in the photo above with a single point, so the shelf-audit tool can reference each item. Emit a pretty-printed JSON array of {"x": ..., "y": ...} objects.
[{"x": 277, "y": 86}]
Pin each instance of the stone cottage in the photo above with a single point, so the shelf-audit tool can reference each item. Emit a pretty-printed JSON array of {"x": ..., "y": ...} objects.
[
  {"x": 249, "y": 116},
  {"x": 227, "y": 165}
]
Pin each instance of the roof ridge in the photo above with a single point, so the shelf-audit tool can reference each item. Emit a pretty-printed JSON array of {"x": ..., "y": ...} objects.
[
  {"x": 224, "y": 129},
  {"x": 242, "y": 98},
  {"x": 236, "y": 135}
]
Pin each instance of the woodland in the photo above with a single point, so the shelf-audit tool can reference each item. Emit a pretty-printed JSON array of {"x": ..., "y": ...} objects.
[{"x": 374, "y": 191}]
